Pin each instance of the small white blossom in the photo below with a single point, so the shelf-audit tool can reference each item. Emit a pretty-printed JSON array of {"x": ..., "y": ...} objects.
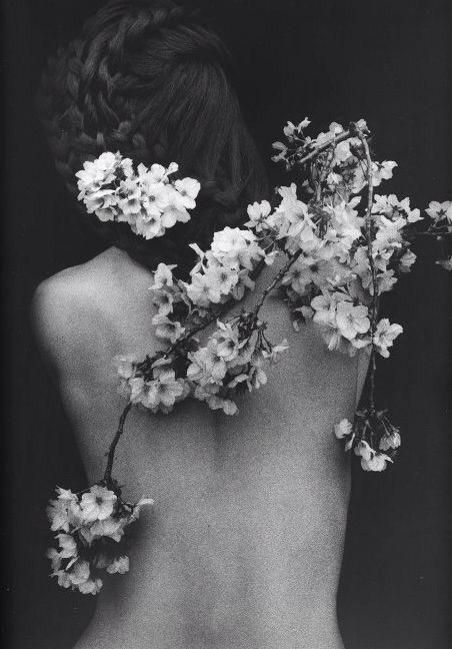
[
  {"x": 90, "y": 586},
  {"x": 377, "y": 462},
  {"x": 55, "y": 559},
  {"x": 64, "y": 579},
  {"x": 188, "y": 189},
  {"x": 258, "y": 212},
  {"x": 445, "y": 263},
  {"x": 109, "y": 528},
  {"x": 236, "y": 247},
  {"x": 80, "y": 572},
  {"x": 226, "y": 405},
  {"x": 406, "y": 261},
  {"x": 97, "y": 503},
  {"x": 384, "y": 336},
  {"x": 68, "y": 546},
  {"x": 227, "y": 341},
  {"x": 363, "y": 450},
  {"x": 163, "y": 277},
  {"x": 207, "y": 365},
  {"x": 343, "y": 429},
  {"x": 57, "y": 513},
  {"x": 119, "y": 566},
  {"x": 282, "y": 148},
  {"x": 167, "y": 329},
  {"x": 382, "y": 171},
  {"x": 163, "y": 392},
  {"x": 439, "y": 211},
  {"x": 352, "y": 320},
  {"x": 143, "y": 502},
  {"x": 94, "y": 174},
  {"x": 276, "y": 351},
  {"x": 390, "y": 440}
]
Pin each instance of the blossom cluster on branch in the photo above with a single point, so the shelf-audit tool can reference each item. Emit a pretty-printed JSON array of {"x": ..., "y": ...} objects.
[
  {"x": 90, "y": 533},
  {"x": 341, "y": 246},
  {"x": 440, "y": 227}
]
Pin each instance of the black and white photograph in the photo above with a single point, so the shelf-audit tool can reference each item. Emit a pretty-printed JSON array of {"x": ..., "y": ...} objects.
[{"x": 227, "y": 264}]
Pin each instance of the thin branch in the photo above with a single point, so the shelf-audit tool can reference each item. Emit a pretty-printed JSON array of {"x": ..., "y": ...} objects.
[
  {"x": 369, "y": 234},
  {"x": 370, "y": 200},
  {"x": 373, "y": 368},
  {"x": 111, "y": 453},
  {"x": 278, "y": 277},
  {"x": 319, "y": 149},
  {"x": 211, "y": 319}
]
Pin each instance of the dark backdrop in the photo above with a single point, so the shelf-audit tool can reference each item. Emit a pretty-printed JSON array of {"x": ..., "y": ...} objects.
[{"x": 389, "y": 62}]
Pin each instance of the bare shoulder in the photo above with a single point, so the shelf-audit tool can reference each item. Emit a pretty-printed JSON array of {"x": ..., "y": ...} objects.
[
  {"x": 85, "y": 315},
  {"x": 65, "y": 309}
]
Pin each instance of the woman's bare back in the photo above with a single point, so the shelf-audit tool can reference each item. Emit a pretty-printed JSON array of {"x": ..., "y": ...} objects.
[{"x": 244, "y": 545}]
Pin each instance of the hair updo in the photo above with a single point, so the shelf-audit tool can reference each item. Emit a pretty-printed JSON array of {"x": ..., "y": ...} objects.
[{"x": 147, "y": 78}]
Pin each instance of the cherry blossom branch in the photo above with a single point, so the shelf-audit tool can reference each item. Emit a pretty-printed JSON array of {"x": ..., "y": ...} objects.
[
  {"x": 374, "y": 303},
  {"x": 322, "y": 147},
  {"x": 330, "y": 144},
  {"x": 278, "y": 277},
  {"x": 111, "y": 452}
]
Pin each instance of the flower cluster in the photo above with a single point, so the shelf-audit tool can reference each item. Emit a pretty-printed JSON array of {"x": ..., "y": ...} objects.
[
  {"x": 336, "y": 276},
  {"x": 348, "y": 259},
  {"x": 384, "y": 438},
  {"x": 223, "y": 272},
  {"x": 233, "y": 359},
  {"x": 147, "y": 199},
  {"x": 234, "y": 356},
  {"x": 440, "y": 227},
  {"x": 90, "y": 531}
]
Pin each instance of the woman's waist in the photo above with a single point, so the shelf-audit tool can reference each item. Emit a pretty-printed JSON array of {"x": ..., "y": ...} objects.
[
  {"x": 220, "y": 596},
  {"x": 212, "y": 563}
]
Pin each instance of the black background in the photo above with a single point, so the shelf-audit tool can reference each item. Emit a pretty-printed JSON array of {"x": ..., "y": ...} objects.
[{"x": 389, "y": 62}]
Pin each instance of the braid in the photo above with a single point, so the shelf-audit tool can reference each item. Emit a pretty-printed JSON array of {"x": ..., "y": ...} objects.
[{"x": 109, "y": 91}]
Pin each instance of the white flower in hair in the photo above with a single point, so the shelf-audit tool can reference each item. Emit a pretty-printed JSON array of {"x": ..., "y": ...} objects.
[
  {"x": 148, "y": 200},
  {"x": 188, "y": 189},
  {"x": 99, "y": 172}
]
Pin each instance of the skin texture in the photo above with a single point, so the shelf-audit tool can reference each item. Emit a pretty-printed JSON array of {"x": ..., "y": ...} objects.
[{"x": 244, "y": 545}]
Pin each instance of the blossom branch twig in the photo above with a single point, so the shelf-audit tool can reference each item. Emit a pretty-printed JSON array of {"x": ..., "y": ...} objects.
[
  {"x": 369, "y": 237},
  {"x": 278, "y": 277},
  {"x": 326, "y": 145},
  {"x": 111, "y": 452}
]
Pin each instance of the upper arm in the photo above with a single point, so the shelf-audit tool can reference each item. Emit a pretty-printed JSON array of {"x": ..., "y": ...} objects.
[
  {"x": 63, "y": 316},
  {"x": 50, "y": 319}
]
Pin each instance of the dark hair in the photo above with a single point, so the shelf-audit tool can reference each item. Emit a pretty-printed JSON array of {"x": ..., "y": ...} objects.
[{"x": 150, "y": 80}]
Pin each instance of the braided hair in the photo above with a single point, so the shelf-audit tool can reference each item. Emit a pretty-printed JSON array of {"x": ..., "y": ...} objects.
[{"x": 147, "y": 78}]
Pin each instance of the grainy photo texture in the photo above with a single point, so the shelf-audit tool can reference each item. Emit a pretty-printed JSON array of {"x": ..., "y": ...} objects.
[{"x": 228, "y": 261}]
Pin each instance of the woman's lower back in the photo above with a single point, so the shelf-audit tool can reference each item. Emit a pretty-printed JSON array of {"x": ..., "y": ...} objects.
[{"x": 244, "y": 544}]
